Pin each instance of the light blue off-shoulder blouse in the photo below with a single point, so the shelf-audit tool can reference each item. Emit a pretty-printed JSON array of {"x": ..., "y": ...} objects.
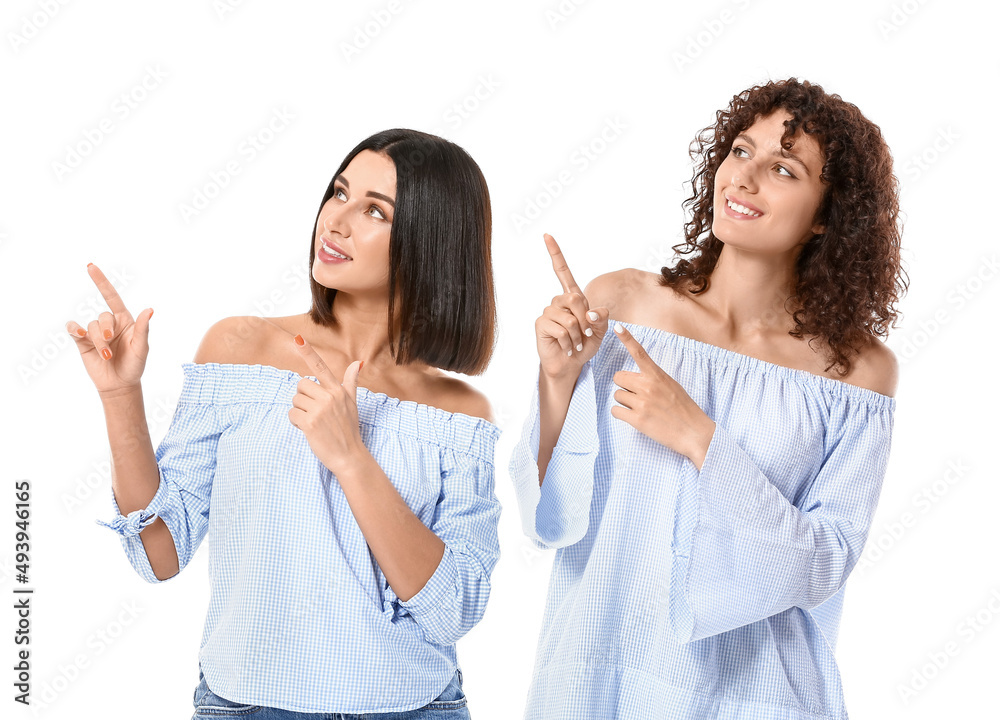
[
  {"x": 715, "y": 594},
  {"x": 301, "y": 616}
]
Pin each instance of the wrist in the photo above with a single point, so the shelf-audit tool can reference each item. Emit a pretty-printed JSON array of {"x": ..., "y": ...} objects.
[
  {"x": 354, "y": 466},
  {"x": 700, "y": 441}
]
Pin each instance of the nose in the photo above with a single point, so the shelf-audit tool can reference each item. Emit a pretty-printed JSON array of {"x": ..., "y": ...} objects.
[
  {"x": 335, "y": 219},
  {"x": 746, "y": 176}
]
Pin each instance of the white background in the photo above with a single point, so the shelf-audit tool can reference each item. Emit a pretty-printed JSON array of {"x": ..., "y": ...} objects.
[{"x": 549, "y": 78}]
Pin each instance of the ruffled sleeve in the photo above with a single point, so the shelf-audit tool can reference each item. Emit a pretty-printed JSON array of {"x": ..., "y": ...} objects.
[
  {"x": 742, "y": 552},
  {"x": 557, "y": 513},
  {"x": 186, "y": 459},
  {"x": 454, "y": 599}
]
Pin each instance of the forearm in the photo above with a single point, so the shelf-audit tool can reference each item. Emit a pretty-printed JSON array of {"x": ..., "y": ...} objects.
[
  {"x": 135, "y": 475},
  {"x": 553, "y": 403},
  {"x": 406, "y": 550}
]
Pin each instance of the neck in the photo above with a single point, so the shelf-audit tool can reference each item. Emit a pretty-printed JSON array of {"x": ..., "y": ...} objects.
[
  {"x": 748, "y": 292},
  {"x": 361, "y": 331}
]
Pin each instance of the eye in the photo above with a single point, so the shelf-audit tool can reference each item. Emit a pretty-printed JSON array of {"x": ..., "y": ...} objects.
[
  {"x": 340, "y": 194},
  {"x": 780, "y": 168},
  {"x": 376, "y": 211},
  {"x": 740, "y": 152}
]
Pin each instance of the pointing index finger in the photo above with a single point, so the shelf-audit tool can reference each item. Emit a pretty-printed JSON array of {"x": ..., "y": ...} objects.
[
  {"x": 560, "y": 266},
  {"x": 635, "y": 349},
  {"x": 108, "y": 291},
  {"x": 320, "y": 368}
]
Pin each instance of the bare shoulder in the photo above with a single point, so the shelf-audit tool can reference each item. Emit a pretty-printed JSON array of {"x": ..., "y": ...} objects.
[
  {"x": 620, "y": 289},
  {"x": 633, "y": 295},
  {"x": 232, "y": 339},
  {"x": 875, "y": 367},
  {"x": 457, "y": 396}
]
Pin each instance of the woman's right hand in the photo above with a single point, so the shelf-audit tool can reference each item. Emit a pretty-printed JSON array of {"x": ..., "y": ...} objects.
[
  {"x": 113, "y": 347},
  {"x": 569, "y": 332}
]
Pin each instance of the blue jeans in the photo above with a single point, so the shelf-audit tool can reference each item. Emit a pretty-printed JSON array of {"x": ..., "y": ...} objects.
[{"x": 450, "y": 705}]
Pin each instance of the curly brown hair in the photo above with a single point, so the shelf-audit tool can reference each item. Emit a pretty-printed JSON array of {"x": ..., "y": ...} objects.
[{"x": 849, "y": 278}]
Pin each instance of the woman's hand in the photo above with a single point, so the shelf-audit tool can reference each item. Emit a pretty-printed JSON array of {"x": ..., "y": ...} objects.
[
  {"x": 327, "y": 414},
  {"x": 568, "y": 333},
  {"x": 657, "y": 406},
  {"x": 113, "y": 347}
]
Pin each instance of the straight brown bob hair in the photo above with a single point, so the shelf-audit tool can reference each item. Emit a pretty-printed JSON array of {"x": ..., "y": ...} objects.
[{"x": 442, "y": 304}]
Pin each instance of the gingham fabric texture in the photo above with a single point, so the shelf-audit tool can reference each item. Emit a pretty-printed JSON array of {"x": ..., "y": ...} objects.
[
  {"x": 301, "y": 617},
  {"x": 715, "y": 594}
]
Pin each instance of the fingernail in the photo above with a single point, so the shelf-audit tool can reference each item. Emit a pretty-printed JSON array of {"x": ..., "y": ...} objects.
[
  {"x": 569, "y": 354},
  {"x": 81, "y": 332},
  {"x": 106, "y": 353},
  {"x": 107, "y": 334},
  {"x": 579, "y": 348},
  {"x": 150, "y": 314},
  {"x": 361, "y": 365},
  {"x": 299, "y": 340},
  {"x": 89, "y": 264},
  {"x": 588, "y": 332},
  {"x": 593, "y": 316},
  {"x": 619, "y": 329}
]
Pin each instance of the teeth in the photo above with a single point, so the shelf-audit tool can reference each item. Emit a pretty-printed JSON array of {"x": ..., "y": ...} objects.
[
  {"x": 333, "y": 252},
  {"x": 740, "y": 209}
]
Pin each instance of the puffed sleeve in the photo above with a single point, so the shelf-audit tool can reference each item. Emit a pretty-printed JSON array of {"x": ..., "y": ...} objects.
[
  {"x": 186, "y": 460},
  {"x": 557, "y": 513},
  {"x": 742, "y": 552},
  {"x": 454, "y": 599}
]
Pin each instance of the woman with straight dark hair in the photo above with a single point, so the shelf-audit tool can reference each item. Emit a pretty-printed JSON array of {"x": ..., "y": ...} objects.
[
  {"x": 354, "y": 529},
  {"x": 708, "y": 471}
]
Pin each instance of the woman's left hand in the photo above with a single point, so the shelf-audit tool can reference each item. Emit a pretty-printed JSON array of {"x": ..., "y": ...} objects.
[
  {"x": 327, "y": 414},
  {"x": 657, "y": 406}
]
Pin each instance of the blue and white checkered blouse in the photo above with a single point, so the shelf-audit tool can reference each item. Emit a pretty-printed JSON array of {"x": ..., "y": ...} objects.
[
  {"x": 301, "y": 617},
  {"x": 679, "y": 594}
]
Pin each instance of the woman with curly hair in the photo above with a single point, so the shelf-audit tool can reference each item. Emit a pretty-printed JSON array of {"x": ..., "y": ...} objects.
[{"x": 708, "y": 471}]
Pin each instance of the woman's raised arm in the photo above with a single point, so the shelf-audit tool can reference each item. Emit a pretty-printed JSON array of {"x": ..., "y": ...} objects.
[{"x": 114, "y": 349}]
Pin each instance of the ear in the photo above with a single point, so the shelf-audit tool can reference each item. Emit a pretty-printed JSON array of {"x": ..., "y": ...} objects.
[{"x": 818, "y": 229}]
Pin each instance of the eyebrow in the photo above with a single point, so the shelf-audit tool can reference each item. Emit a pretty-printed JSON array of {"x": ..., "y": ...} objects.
[
  {"x": 787, "y": 154},
  {"x": 370, "y": 193}
]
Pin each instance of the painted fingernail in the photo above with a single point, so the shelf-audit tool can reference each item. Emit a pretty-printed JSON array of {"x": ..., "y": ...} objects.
[
  {"x": 569, "y": 354},
  {"x": 361, "y": 365},
  {"x": 150, "y": 313},
  {"x": 588, "y": 332},
  {"x": 89, "y": 264},
  {"x": 593, "y": 316},
  {"x": 299, "y": 340},
  {"x": 579, "y": 348},
  {"x": 81, "y": 332},
  {"x": 107, "y": 334},
  {"x": 106, "y": 353},
  {"x": 619, "y": 329}
]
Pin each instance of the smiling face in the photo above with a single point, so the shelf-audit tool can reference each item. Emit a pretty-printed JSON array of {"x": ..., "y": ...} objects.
[
  {"x": 352, "y": 232},
  {"x": 766, "y": 197}
]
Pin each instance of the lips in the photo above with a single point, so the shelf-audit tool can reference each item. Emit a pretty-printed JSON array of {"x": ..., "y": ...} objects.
[
  {"x": 740, "y": 207},
  {"x": 333, "y": 250}
]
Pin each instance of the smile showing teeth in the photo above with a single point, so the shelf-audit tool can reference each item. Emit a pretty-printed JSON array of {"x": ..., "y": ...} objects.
[
  {"x": 330, "y": 251},
  {"x": 740, "y": 209}
]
